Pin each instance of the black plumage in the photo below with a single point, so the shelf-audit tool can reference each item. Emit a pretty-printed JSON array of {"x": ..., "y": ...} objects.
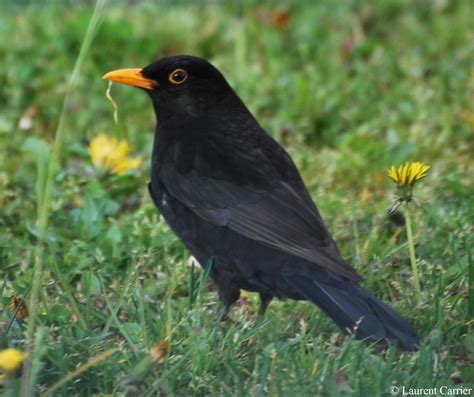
[{"x": 233, "y": 195}]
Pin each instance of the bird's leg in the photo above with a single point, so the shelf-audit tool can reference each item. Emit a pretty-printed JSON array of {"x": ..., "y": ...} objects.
[
  {"x": 228, "y": 297},
  {"x": 223, "y": 312},
  {"x": 227, "y": 300},
  {"x": 224, "y": 275},
  {"x": 265, "y": 300}
]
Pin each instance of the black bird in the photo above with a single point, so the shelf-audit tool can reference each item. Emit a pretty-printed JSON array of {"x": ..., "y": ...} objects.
[{"x": 233, "y": 195}]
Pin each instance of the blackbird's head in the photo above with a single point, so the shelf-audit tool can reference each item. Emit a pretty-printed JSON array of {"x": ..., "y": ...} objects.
[{"x": 179, "y": 86}]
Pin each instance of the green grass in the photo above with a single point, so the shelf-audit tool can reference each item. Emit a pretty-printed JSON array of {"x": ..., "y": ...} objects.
[{"x": 349, "y": 88}]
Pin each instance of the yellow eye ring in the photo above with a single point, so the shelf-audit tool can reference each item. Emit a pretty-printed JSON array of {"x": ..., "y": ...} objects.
[{"x": 178, "y": 76}]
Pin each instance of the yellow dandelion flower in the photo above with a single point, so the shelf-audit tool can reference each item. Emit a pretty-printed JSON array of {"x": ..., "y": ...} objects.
[
  {"x": 126, "y": 164},
  {"x": 408, "y": 174},
  {"x": 11, "y": 359},
  {"x": 405, "y": 177},
  {"x": 111, "y": 154}
]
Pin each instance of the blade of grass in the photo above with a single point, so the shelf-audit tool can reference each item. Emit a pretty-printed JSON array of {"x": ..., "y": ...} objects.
[
  {"x": 130, "y": 280},
  {"x": 141, "y": 313},
  {"x": 68, "y": 291},
  {"x": 117, "y": 322},
  {"x": 38, "y": 352},
  {"x": 411, "y": 250},
  {"x": 470, "y": 284},
  {"x": 71, "y": 375},
  {"x": 44, "y": 198}
]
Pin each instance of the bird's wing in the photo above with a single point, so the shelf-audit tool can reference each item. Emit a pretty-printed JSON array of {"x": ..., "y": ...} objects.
[{"x": 276, "y": 214}]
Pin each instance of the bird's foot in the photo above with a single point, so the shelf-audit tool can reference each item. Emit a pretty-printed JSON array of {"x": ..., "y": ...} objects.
[
  {"x": 265, "y": 300},
  {"x": 223, "y": 313}
]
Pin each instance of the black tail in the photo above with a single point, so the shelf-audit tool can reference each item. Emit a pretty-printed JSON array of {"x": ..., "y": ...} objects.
[{"x": 358, "y": 312}]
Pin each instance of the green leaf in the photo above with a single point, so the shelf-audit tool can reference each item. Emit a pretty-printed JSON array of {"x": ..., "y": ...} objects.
[{"x": 90, "y": 283}]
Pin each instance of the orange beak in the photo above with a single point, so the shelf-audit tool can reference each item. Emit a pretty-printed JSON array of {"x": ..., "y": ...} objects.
[{"x": 132, "y": 77}]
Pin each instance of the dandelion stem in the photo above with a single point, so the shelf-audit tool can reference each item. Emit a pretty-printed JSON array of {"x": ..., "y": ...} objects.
[{"x": 411, "y": 249}]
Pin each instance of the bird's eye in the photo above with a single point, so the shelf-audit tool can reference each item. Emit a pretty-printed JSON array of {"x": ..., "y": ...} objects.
[{"x": 178, "y": 76}]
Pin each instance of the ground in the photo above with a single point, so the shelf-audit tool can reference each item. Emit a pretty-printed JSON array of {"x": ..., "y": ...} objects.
[{"x": 349, "y": 88}]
